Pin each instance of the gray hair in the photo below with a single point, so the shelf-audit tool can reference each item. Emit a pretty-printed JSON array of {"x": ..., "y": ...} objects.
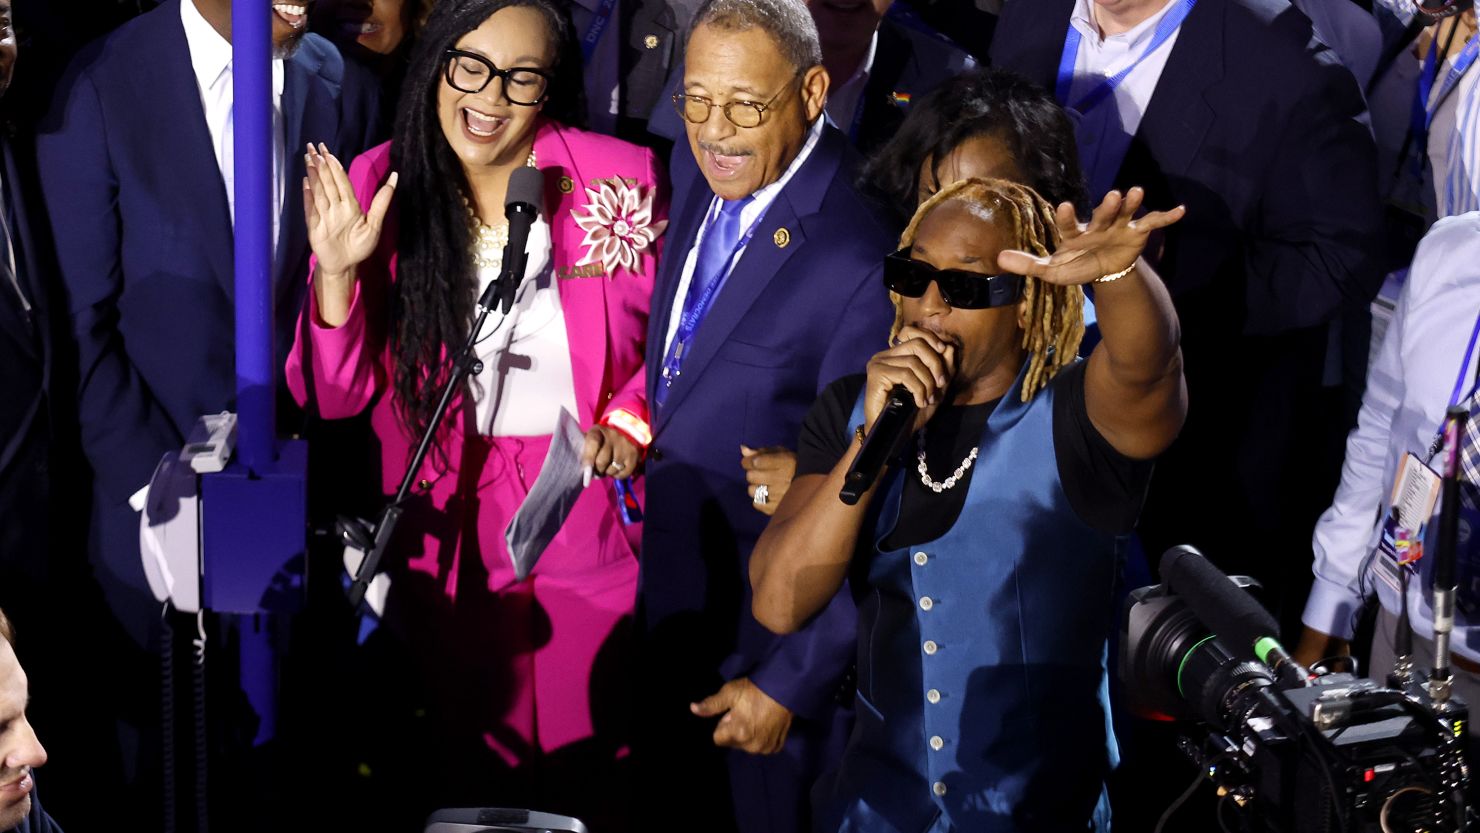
[{"x": 788, "y": 23}]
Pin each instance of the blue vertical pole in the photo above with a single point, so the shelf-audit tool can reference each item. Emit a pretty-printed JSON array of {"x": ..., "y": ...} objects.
[{"x": 251, "y": 56}]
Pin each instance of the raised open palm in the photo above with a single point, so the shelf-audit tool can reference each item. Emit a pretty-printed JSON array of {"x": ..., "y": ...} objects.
[
  {"x": 1109, "y": 243},
  {"x": 342, "y": 236}
]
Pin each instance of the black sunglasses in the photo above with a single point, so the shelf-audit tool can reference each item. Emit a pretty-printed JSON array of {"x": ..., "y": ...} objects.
[{"x": 959, "y": 288}]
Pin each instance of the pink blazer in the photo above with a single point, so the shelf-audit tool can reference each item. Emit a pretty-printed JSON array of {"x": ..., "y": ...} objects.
[{"x": 605, "y": 314}]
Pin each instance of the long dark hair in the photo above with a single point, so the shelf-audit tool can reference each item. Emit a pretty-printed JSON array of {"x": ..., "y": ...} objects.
[
  {"x": 982, "y": 102},
  {"x": 433, "y": 297}
]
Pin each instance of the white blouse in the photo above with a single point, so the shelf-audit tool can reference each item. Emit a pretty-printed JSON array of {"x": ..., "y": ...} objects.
[{"x": 527, "y": 376}]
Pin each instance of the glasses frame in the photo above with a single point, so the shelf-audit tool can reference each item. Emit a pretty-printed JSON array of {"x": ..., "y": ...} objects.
[
  {"x": 959, "y": 288},
  {"x": 451, "y": 56},
  {"x": 760, "y": 108}
]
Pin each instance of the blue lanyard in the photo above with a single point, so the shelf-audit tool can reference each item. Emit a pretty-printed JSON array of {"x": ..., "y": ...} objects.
[
  {"x": 599, "y": 20},
  {"x": 1428, "y": 72},
  {"x": 694, "y": 315},
  {"x": 1459, "y": 393},
  {"x": 1090, "y": 100}
]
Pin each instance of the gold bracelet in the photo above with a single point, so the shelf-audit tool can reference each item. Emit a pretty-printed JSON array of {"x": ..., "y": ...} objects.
[
  {"x": 858, "y": 432},
  {"x": 1117, "y": 276}
]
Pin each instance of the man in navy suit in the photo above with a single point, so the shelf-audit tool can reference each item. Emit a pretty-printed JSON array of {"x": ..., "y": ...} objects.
[
  {"x": 771, "y": 287},
  {"x": 1278, "y": 176},
  {"x": 135, "y": 163},
  {"x": 1241, "y": 115}
]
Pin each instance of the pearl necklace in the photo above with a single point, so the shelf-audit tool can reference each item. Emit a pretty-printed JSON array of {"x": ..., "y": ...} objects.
[
  {"x": 925, "y": 472},
  {"x": 489, "y": 241}
]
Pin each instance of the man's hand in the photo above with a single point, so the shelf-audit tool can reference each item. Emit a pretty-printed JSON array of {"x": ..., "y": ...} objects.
[
  {"x": 921, "y": 361},
  {"x": 752, "y": 721},
  {"x": 1315, "y": 646},
  {"x": 773, "y": 468},
  {"x": 1109, "y": 243}
]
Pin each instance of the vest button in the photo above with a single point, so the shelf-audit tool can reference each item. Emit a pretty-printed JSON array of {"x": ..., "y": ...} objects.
[
  {"x": 937, "y": 743},
  {"x": 921, "y": 558},
  {"x": 926, "y": 603},
  {"x": 933, "y": 696},
  {"x": 939, "y": 788},
  {"x": 930, "y": 647}
]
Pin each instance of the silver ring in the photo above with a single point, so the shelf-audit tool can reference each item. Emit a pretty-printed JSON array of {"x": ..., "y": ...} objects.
[
  {"x": 614, "y": 467},
  {"x": 762, "y": 494}
]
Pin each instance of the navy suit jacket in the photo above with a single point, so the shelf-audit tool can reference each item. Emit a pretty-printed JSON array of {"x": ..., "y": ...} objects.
[
  {"x": 143, "y": 231},
  {"x": 27, "y": 356},
  {"x": 798, "y": 311}
]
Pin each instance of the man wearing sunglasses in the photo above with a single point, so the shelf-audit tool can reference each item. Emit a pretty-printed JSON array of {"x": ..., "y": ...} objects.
[
  {"x": 769, "y": 289},
  {"x": 985, "y": 557}
]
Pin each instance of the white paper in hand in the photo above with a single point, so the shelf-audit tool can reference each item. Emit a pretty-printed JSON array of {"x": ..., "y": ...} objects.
[{"x": 551, "y": 498}]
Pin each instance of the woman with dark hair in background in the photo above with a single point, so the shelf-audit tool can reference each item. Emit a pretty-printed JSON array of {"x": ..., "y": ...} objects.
[
  {"x": 523, "y": 679},
  {"x": 986, "y": 123}
]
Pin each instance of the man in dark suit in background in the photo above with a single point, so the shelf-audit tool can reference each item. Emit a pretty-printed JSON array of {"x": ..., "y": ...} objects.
[
  {"x": 771, "y": 286},
  {"x": 135, "y": 163},
  {"x": 879, "y": 54},
  {"x": 1278, "y": 176},
  {"x": 1243, "y": 117}
]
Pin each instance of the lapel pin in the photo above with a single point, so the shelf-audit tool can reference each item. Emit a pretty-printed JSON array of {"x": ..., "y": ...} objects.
[
  {"x": 782, "y": 238},
  {"x": 651, "y": 41},
  {"x": 566, "y": 186}
]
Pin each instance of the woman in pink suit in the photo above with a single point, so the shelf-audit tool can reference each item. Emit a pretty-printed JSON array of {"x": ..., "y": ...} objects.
[{"x": 522, "y": 678}]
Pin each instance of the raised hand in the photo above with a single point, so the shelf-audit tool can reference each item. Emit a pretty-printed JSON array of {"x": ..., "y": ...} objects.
[
  {"x": 1109, "y": 243},
  {"x": 342, "y": 236}
]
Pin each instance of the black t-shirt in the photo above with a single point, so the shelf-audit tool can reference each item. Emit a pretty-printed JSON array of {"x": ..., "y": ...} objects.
[{"x": 1104, "y": 487}]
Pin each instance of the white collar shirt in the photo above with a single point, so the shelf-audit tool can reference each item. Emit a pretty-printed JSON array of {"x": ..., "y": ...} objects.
[
  {"x": 1105, "y": 132},
  {"x": 845, "y": 103},
  {"x": 210, "y": 58},
  {"x": 1409, "y": 385},
  {"x": 749, "y": 216}
]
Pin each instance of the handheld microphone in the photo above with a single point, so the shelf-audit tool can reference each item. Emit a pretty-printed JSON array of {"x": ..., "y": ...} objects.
[
  {"x": 522, "y": 202},
  {"x": 1236, "y": 619},
  {"x": 892, "y": 426}
]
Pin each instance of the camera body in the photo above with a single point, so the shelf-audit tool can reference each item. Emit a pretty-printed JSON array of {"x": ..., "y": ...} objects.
[{"x": 1340, "y": 752}]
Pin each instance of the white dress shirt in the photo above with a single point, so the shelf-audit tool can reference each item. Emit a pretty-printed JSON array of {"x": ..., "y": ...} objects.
[
  {"x": 210, "y": 57},
  {"x": 748, "y": 217},
  {"x": 845, "y": 102},
  {"x": 7, "y": 256},
  {"x": 1105, "y": 132},
  {"x": 1408, "y": 389},
  {"x": 527, "y": 377}
]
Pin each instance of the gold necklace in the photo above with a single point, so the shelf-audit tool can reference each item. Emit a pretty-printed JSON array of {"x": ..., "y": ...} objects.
[{"x": 489, "y": 240}]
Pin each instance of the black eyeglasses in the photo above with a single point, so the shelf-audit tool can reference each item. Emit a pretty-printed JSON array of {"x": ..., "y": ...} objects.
[
  {"x": 959, "y": 288},
  {"x": 696, "y": 108},
  {"x": 471, "y": 73}
]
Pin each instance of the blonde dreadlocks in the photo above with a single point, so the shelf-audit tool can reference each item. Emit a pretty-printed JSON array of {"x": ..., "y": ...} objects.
[{"x": 1055, "y": 314}]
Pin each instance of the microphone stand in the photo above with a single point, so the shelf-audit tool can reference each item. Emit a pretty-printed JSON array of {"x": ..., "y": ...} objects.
[
  {"x": 374, "y": 541},
  {"x": 1445, "y": 584}
]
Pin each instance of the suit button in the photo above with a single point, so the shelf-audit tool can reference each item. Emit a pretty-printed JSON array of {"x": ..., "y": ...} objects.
[
  {"x": 939, "y": 788},
  {"x": 933, "y": 695},
  {"x": 937, "y": 743},
  {"x": 926, "y": 603},
  {"x": 921, "y": 558},
  {"x": 930, "y": 647},
  {"x": 654, "y": 453}
]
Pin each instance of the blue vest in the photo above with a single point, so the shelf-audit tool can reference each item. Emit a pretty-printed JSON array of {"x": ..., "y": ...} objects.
[{"x": 982, "y": 698}]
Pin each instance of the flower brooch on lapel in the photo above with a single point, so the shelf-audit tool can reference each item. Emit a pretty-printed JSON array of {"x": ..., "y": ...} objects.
[{"x": 619, "y": 225}]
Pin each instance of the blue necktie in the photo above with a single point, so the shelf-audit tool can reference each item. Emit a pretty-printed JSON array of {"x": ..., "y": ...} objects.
[{"x": 710, "y": 268}]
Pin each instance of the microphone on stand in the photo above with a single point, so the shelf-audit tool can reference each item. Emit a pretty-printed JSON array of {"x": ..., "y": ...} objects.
[
  {"x": 522, "y": 202},
  {"x": 892, "y": 426}
]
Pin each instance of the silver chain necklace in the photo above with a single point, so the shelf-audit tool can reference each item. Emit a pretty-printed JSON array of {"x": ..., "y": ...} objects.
[{"x": 925, "y": 472}]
